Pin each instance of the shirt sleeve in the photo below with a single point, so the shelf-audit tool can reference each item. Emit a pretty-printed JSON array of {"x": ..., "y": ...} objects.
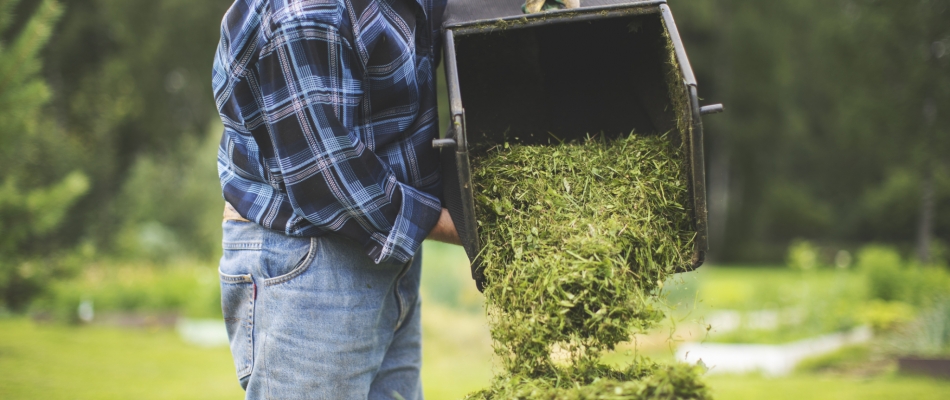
[{"x": 312, "y": 88}]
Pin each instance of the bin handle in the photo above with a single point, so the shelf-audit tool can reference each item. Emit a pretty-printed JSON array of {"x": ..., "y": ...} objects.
[
  {"x": 444, "y": 143},
  {"x": 711, "y": 109}
]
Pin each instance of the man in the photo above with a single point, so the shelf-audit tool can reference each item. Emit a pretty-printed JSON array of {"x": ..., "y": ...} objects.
[{"x": 332, "y": 184}]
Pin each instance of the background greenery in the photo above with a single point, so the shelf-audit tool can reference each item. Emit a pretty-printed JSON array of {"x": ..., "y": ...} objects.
[
  {"x": 832, "y": 159},
  {"x": 836, "y": 122},
  {"x": 835, "y": 130}
]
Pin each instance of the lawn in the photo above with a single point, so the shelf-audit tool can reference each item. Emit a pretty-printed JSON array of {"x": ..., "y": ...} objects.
[
  {"x": 814, "y": 387},
  {"x": 54, "y": 360},
  {"x": 51, "y": 362}
]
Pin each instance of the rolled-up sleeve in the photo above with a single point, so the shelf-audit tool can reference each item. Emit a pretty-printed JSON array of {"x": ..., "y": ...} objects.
[{"x": 311, "y": 87}]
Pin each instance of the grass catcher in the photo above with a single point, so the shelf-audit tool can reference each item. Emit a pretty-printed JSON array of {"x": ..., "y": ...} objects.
[{"x": 608, "y": 68}]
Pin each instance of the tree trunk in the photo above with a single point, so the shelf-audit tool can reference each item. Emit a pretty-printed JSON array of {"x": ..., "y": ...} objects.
[{"x": 925, "y": 225}]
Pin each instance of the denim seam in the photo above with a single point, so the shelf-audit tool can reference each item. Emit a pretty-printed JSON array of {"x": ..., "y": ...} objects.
[
  {"x": 235, "y": 278},
  {"x": 249, "y": 358},
  {"x": 265, "y": 369},
  {"x": 298, "y": 269},
  {"x": 242, "y": 245},
  {"x": 399, "y": 300},
  {"x": 247, "y": 362}
]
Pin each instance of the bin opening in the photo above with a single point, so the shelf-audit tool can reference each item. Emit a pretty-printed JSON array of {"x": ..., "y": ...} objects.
[
  {"x": 612, "y": 67},
  {"x": 568, "y": 79}
]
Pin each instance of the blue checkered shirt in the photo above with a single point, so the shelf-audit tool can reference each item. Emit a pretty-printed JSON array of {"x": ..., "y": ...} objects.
[{"x": 329, "y": 111}]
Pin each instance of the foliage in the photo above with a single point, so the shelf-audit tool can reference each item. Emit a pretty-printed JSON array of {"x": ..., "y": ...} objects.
[
  {"x": 832, "y": 124},
  {"x": 132, "y": 86},
  {"x": 816, "y": 311},
  {"x": 577, "y": 240},
  {"x": 189, "y": 289},
  {"x": 802, "y": 255},
  {"x": 890, "y": 278},
  {"x": 884, "y": 291},
  {"x": 107, "y": 157},
  {"x": 171, "y": 204},
  {"x": 38, "y": 186},
  {"x": 885, "y": 316},
  {"x": 929, "y": 334}
]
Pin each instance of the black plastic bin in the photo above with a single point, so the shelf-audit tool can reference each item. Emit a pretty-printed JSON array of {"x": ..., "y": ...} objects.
[{"x": 611, "y": 66}]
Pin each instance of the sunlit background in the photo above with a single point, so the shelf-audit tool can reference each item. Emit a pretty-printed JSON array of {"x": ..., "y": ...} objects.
[{"x": 829, "y": 191}]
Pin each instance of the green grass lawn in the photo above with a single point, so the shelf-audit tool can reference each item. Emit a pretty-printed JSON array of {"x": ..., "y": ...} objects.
[
  {"x": 62, "y": 362},
  {"x": 814, "y": 387},
  {"x": 52, "y": 361}
]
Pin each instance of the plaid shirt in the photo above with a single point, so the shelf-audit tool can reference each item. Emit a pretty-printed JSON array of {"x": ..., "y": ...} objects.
[{"x": 329, "y": 111}]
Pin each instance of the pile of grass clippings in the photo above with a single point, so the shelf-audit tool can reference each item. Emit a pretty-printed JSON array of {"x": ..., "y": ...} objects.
[
  {"x": 645, "y": 380},
  {"x": 577, "y": 239}
]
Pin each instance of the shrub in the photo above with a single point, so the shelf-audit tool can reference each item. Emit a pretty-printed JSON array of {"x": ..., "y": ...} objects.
[
  {"x": 883, "y": 268},
  {"x": 802, "y": 255},
  {"x": 890, "y": 278},
  {"x": 929, "y": 334},
  {"x": 885, "y": 316},
  {"x": 188, "y": 289}
]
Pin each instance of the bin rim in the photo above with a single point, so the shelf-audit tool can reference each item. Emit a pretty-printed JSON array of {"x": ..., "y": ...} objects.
[{"x": 502, "y": 21}]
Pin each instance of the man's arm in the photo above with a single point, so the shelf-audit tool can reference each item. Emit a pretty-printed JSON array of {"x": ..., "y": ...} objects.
[
  {"x": 444, "y": 230},
  {"x": 311, "y": 87}
]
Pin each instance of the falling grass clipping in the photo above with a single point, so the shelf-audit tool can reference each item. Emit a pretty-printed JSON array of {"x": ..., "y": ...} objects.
[{"x": 577, "y": 239}]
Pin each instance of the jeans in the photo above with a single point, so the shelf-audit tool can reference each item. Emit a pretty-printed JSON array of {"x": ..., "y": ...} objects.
[{"x": 315, "y": 318}]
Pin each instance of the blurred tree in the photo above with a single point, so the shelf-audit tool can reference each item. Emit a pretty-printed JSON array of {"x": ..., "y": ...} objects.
[
  {"x": 902, "y": 77},
  {"x": 38, "y": 184},
  {"x": 132, "y": 80},
  {"x": 833, "y": 130}
]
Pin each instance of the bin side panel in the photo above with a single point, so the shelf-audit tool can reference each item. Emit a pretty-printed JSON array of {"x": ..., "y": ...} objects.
[{"x": 454, "y": 199}]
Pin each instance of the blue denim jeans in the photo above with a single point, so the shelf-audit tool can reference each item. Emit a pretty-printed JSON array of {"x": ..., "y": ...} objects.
[{"x": 315, "y": 318}]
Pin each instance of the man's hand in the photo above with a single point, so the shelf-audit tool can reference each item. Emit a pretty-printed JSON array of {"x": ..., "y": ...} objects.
[
  {"x": 535, "y": 6},
  {"x": 444, "y": 230}
]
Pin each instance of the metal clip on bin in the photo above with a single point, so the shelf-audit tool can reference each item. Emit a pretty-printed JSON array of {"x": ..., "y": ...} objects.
[{"x": 608, "y": 67}]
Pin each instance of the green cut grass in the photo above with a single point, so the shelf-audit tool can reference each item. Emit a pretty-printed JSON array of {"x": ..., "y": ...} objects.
[{"x": 577, "y": 241}]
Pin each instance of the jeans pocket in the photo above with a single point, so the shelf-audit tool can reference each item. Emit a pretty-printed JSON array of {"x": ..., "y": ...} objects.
[
  {"x": 277, "y": 259},
  {"x": 238, "y": 293}
]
